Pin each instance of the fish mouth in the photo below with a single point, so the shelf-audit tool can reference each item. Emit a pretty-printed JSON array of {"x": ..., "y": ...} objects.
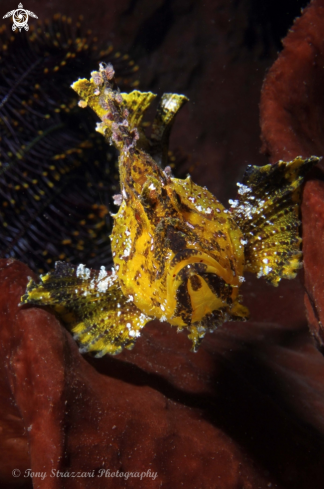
[{"x": 198, "y": 287}]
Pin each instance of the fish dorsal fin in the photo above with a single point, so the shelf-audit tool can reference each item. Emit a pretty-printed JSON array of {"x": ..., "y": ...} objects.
[
  {"x": 168, "y": 107},
  {"x": 121, "y": 114},
  {"x": 137, "y": 103},
  {"x": 85, "y": 89}
]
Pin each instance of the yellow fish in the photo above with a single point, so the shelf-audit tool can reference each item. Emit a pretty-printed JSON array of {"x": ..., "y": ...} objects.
[{"x": 179, "y": 255}]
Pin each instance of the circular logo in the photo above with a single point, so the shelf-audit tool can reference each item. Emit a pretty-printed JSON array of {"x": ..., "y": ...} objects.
[
  {"x": 16, "y": 472},
  {"x": 20, "y": 18}
]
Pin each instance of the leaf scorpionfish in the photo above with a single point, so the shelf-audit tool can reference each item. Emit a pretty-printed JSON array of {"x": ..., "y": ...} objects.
[{"x": 179, "y": 255}]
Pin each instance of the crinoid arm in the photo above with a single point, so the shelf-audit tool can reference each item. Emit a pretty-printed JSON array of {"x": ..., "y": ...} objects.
[
  {"x": 267, "y": 211},
  {"x": 92, "y": 305}
]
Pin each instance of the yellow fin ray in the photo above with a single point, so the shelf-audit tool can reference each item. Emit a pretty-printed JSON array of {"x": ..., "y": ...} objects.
[
  {"x": 137, "y": 103},
  {"x": 169, "y": 106},
  {"x": 86, "y": 91},
  {"x": 268, "y": 214},
  {"x": 92, "y": 305},
  {"x": 121, "y": 113}
]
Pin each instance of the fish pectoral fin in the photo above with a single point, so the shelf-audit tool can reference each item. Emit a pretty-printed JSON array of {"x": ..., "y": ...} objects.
[
  {"x": 92, "y": 305},
  {"x": 267, "y": 212}
]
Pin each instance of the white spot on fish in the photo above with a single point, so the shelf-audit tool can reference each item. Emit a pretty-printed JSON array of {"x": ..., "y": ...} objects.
[
  {"x": 233, "y": 203},
  {"x": 83, "y": 272},
  {"x": 243, "y": 189},
  {"x": 102, "y": 273}
]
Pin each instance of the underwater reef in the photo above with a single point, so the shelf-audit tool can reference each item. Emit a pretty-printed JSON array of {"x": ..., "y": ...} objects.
[{"x": 246, "y": 410}]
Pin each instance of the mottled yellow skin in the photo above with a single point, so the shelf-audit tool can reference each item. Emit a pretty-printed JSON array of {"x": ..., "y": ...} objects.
[
  {"x": 162, "y": 230},
  {"x": 177, "y": 252},
  {"x": 179, "y": 255}
]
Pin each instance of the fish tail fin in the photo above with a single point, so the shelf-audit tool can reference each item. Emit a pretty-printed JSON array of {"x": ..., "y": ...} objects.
[
  {"x": 92, "y": 305},
  {"x": 267, "y": 212}
]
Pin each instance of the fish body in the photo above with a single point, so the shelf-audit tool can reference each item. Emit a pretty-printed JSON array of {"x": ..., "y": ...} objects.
[
  {"x": 176, "y": 250},
  {"x": 179, "y": 255}
]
